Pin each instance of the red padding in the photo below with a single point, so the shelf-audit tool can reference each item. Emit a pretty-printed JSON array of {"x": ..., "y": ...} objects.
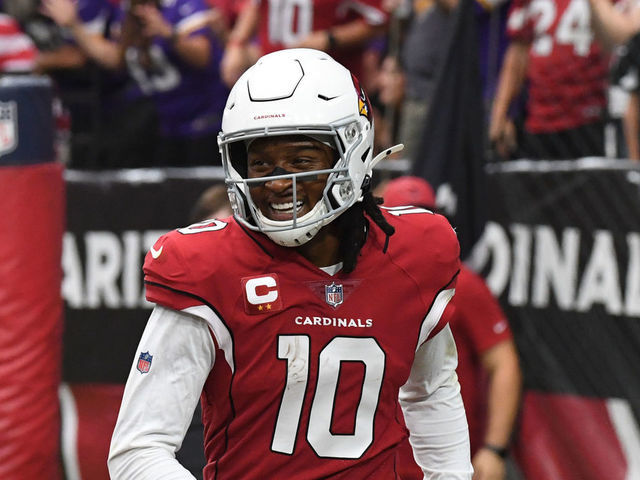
[
  {"x": 96, "y": 412},
  {"x": 31, "y": 228},
  {"x": 566, "y": 437}
]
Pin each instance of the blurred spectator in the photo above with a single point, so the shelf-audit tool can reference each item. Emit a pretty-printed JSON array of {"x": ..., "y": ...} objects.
[
  {"x": 554, "y": 50},
  {"x": 341, "y": 28},
  {"x": 391, "y": 87},
  {"x": 17, "y": 51},
  {"x": 625, "y": 74},
  {"x": 491, "y": 22},
  {"x": 212, "y": 203},
  {"x": 55, "y": 51},
  {"x": 223, "y": 16},
  {"x": 76, "y": 80},
  {"x": 171, "y": 52},
  {"x": 618, "y": 26},
  {"x": 488, "y": 365},
  {"x": 425, "y": 47},
  {"x": 423, "y": 52}
]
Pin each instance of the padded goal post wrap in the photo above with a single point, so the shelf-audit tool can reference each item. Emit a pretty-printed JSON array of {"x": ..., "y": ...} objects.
[{"x": 32, "y": 209}]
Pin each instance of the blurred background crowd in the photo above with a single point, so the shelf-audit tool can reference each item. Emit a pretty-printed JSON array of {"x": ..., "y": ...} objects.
[{"x": 142, "y": 83}]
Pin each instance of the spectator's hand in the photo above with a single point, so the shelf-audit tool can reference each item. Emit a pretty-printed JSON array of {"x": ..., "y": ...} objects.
[
  {"x": 391, "y": 5},
  {"x": 234, "y": 62},
  {"x": 502, "y": 136},
  {"x": 488, "y": 466},
  {"x": 63, "y": 12},
  {"x": 318, "y": 40},
  {"x": 634, "y": 14},
  {"x": 153, "y": 23},
  {"x": 218, "y": 24}
]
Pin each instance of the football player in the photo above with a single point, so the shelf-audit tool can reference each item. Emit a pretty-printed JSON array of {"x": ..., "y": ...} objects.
[{"x": 303, "y": 320}]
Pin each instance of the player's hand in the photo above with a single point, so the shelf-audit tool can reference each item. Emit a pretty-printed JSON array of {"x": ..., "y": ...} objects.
[
  {"x": 488, "y": 466},
  {"x": 63, "y": 12},
  {"x": 153, "y": 23},
  {"x": 502, "y": 136}
]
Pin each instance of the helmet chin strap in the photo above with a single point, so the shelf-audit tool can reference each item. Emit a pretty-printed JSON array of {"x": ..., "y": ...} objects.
[{"x": 297, "y": 236}]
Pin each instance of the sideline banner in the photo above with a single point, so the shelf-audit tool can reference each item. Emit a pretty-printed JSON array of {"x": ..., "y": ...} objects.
[
  {"x": 562, "y": 252},
  {"x": 113, "y": 217}
]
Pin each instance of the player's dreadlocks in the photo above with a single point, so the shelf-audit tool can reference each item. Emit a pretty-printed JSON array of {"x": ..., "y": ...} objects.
[{"x": 355, "y": 229}]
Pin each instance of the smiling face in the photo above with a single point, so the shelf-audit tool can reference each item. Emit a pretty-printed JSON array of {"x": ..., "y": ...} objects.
[{"x": 293, "y": 154}]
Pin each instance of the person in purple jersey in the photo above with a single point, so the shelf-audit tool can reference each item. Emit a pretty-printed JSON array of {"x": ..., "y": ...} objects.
[{"x": 168, "y": 48}]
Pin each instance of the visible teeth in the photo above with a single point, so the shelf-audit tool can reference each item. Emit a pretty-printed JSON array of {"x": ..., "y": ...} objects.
[{"x": 284, "y": 207}]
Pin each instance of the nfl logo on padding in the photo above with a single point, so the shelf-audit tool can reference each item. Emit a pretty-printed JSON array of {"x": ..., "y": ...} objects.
[
  {"x": 8, "y": 127},
  {"x": 144, "y": 362},
  {"x": 333, "y": 294}
]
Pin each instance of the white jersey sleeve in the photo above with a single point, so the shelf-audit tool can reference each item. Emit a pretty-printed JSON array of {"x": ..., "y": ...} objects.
[
  {"x": 158, "y": 405},
  {"x": 434, "y": 413}
]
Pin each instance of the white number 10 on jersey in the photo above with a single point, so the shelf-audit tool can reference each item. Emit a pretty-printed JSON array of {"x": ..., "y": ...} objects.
[{"x": 295, "y": 350}]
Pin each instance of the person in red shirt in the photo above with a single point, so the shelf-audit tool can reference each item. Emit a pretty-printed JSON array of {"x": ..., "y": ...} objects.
[
  {"x": 488, "y": 368},
  {"x": 339, "y": 27},
  {"x": 17, "y": 51},
  {"x": 553, "y": 47}
]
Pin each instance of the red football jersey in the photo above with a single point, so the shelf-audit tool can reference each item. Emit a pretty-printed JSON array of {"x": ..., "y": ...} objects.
[
  {"x": 283, "y": 23},
  {"x": 308, "y": 365},
  {"x": 567, "y": 70}
]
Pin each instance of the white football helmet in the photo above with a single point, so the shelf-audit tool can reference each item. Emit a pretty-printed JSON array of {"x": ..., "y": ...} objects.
[{"x": 298, "y": 92}]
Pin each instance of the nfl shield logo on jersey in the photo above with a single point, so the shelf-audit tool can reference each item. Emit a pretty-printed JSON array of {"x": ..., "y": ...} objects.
[
  {"x": 8, "y": 127},
  {"x": 144, "y": 362},
  {"x": 333, "y": 294}
]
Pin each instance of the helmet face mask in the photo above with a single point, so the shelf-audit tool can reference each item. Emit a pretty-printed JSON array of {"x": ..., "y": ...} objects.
[{"x": 297, "y": 92}]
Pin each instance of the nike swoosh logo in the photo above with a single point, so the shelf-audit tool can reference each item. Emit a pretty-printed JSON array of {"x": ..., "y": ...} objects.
[{"x": 156, "y": 253}]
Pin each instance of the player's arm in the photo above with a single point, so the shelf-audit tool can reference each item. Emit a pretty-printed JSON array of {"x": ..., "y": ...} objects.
[
  {"x": 105, "y": 52},
  {"x": 434, "y": 413},
  {"x": 157, "y": 406},
  {"x": 503, "y": 400},
  {"x": 512, "y": 77}
]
